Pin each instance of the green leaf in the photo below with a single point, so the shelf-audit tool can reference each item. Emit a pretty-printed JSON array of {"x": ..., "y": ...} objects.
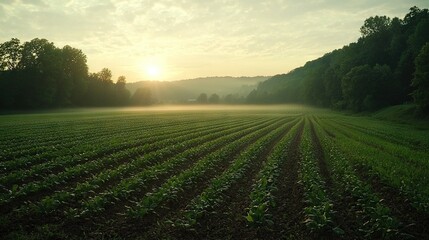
[
  {"x": 249, "y": 218},
  {"x": 338, "y": 231}
]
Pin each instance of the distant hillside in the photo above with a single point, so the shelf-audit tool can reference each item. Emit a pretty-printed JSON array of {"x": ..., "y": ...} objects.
[
  {"x": 386, "y": 66},
  {"x": 181, "y": 91}
]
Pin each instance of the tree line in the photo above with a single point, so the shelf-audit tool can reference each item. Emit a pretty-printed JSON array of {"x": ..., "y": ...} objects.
[
  {"x": 388, "y": 65},
  {"x": 37, "y": 74}
]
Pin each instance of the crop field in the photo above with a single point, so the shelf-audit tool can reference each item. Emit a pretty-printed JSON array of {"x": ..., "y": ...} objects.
[{"x": 275, "y": 172}]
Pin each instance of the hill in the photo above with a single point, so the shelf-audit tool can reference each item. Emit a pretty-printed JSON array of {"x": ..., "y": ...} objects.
[
  {"x": 183, "y": 90},
  {"x": 386, "y": 66}
]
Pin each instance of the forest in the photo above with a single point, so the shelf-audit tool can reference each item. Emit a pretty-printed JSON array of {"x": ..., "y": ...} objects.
[
  {"x": 388, "y": 65},
  {"x": 37, "y": 74}
]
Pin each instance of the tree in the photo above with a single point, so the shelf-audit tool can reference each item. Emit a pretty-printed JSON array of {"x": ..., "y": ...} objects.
[
  {"x": 142, "y": 96},
  {"x": 202, "y": 98},
  {"x": 105, "y": 75},
  {"x": 75, "y": 70},
  {"x": 252, "y": 97},
  {"x": 233, "y": 98},
  {"x": 10, "y": 54},
  {"x": 332, "y": 84},
  {"x": 101, "y": 89},
  {"x": 375, "y": 25},
  {"x": 34, "y": 52},
  {"x": 214, "y": 98},
  {"x": 385, "y": 89},
  {"x": 421, "y": 80},
  {"x": 40, "y": 67},
  {"x": 37, "y": 74},
  {"x": 122, "y": 94},
  {"x": 355, "y": 85}
]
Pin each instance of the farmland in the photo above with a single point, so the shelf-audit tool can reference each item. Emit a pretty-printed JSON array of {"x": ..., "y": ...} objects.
[{"x": 268, "y": 172}]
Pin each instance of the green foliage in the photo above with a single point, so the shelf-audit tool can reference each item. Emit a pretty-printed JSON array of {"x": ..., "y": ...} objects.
[
  {"x": 37, "y": 74},
  {"x": 374, "y": 218},
  {"x": 375, "y": 25},
  {"x": 202, "y": 98},
  {"x": 123, "y": 168},
  {"x": 319, "y": 208},
  {"x": 372, "y": 73},
  {"x": 10, "y": 54},
  {"x": 421, "y": 79},
  {"x": 262, "y": 197},
  {"x": 142, "y": 96}
]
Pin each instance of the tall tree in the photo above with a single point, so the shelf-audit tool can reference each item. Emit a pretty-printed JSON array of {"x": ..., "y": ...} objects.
[
  {"x": 75, "y": 70},
  {"x": 214, "y": 98},
  {"x": 142, "y": 97},
  {"x": 202, "y": 98},
  {"x": 421, "y": 79},
  {"x": 10, "y": 54},
  {"x": 375, "y": 25},
  {"x": 355, "y": 85},
  {"x": 122, "y": 94}
]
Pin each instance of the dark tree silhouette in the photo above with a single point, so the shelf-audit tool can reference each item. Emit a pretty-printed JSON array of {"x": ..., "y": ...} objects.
[
  {"x": 374, "y": 25},
  {"x": 37, "y": 74},
  {"x": 214, "y": 98},
  {"x": 202, "y": 98},
  {"x": 10, "y": 54},
  {"x": 142, "y": 97},
  {"x": 374, "y": 72},
  {"x": 421, "y": 79}
]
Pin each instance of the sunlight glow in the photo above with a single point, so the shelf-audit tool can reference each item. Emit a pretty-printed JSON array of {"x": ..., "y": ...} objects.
[{"x": 153, "y": 71}]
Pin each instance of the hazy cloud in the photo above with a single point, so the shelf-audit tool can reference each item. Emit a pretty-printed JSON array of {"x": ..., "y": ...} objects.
[{"x": 195, "y": 38}]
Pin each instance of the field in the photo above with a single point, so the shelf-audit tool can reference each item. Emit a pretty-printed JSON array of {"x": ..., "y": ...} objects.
[{"x": 226, "y": 173}]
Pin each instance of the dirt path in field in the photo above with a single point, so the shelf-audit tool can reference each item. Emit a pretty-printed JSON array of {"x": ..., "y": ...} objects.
[
  {"x": 412, "y": 221},
  {"x": 318, "y": 150},
  {"x": 148, "y": 226},
  {"x": 288, "y": 213},
  {"x": 228, "y": 220}
]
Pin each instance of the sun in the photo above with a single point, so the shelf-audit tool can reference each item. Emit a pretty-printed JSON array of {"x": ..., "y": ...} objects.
[{"x": 153, "y": 71}]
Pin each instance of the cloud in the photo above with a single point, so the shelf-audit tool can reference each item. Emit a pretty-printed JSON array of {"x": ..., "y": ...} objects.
[{"x": 196, "y": 38}]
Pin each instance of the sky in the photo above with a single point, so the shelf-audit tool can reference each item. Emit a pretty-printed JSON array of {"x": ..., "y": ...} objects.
[{"x": 183, "y": 39}]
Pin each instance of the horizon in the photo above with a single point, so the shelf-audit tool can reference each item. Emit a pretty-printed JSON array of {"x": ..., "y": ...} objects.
[
  {"x": 202, "y": 77},
  {"x": 165, "y": 41}
]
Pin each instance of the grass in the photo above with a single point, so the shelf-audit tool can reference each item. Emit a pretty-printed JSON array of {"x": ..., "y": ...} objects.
[{"x": 405, "y": 113}]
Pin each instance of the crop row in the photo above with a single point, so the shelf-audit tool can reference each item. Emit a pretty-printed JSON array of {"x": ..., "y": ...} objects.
[
  {"x": 189, "y": 177},
  {"x": 213, "y": 195},
  {"x": 373, "y": 217},
  {"x": 401, "y": 135},
  {"x": 91, "y": 147},
  {"x": 262, "y": 195},
  {"x": 35, "y": 141},
  {"x": 91, "y": 166},
  {"x": 396, "y": 165},
  {"x": 126, "y": 186},
  {"x": 319, "y": 211},
  {"x": 46, "y": 144},
  {"x": 154, "y": 139}
]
